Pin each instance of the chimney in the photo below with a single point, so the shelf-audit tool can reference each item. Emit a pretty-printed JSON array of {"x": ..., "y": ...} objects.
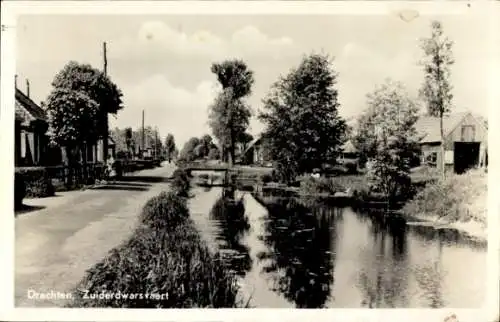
[
  {"x": 15, "y": 81},
  {"x": 28, "y": 88}
]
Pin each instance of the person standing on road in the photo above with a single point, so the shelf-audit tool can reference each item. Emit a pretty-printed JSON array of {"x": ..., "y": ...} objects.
[{"x": 110, "y": 169}]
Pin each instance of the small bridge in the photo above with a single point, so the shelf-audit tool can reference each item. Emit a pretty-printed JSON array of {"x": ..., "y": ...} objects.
[{"x": 206, "y": 167}]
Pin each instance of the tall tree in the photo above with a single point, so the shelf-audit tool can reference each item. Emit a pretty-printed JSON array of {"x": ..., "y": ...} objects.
[
  {"x": 170, "y": 147},
  {"x": 303, "y": 129},
  {"x": 390, "y": 131},
  {"x": 436, "y": 90},
  {"x": 229, "y": 114},
  {"x": 97, "y": 86},
  {"x": 72, "y": 121}
]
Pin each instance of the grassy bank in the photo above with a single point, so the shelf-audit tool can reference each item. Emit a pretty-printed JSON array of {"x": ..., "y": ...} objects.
[
  {"x": 460, "y": 201},
  {"x": 165, "y": 264}
]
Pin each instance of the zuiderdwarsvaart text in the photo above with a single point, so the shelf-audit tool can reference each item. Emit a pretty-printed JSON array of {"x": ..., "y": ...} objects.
[{"x": 85, "y": 294}]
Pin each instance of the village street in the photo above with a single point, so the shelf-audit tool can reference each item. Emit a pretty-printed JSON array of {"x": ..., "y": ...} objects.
[{"x": 73, "y": 230}]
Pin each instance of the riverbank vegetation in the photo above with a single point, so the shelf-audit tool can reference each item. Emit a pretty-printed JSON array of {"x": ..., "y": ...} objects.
[
  {"x": 164, "y": 256},
  {"x": 457, "y": 199}
]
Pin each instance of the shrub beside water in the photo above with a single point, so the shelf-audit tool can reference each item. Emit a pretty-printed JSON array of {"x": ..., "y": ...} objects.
[
  {"x": 181, "y": 183},
  {"x": 164, "y": 211},
  {"x": 457, "y": 198},
  {"x": 322, "y": 185},
  {"x": 165, "y": 255}
]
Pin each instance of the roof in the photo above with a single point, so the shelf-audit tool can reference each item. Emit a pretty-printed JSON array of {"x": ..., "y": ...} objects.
[
  {"x": 28, "y": 110},
  {"x": 252, "y": 143},
  {"x": 348, "y": 147},
  {"x": 428, "y": 127}
]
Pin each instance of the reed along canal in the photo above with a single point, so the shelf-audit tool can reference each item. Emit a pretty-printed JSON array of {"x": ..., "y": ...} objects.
[{"x": 292, "y": 253}]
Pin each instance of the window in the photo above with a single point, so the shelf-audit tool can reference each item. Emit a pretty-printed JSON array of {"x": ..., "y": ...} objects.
[{"x": 468, "y": 133}]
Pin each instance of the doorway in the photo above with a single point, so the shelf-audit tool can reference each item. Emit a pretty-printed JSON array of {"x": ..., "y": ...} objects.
[{"x": 466, "y": 156}]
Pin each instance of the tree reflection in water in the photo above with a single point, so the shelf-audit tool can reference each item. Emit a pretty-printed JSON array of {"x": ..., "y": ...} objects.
[
  {"x": 300, "y": 259},
  {"x": 384, "y": 282},
  {"x": 230, "y": 214}
]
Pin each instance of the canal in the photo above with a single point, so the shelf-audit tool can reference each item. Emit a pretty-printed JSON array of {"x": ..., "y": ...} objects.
[{"x": 292, "y": 253}]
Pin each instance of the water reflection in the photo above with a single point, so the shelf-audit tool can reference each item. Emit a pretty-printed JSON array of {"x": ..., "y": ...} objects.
[
  {"x": 314, "y": 253},
  {"x": 229, "y": 213},
  {"x": 384, "y": 279},
  {"x": 301, "y": 256}
]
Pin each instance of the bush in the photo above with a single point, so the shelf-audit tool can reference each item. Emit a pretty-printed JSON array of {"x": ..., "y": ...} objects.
[
  {"x": 181, "y": 182},
  {"x": 163, "y": 211},
  {"x": 19, "y": 190},
  {"x": 457, "y": 198},
  {"x": 163, "y": 256},
  {"x": 37, "y": 182},
  {"x": 310, "y": 185}
]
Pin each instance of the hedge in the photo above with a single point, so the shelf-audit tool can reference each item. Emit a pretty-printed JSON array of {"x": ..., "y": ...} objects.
[
  {"x": 165, "y": 256},
  {"x": 37, "y": 181}
]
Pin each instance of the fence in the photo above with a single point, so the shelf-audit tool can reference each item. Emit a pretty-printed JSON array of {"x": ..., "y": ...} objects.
[{"x": 78, "y": 174}]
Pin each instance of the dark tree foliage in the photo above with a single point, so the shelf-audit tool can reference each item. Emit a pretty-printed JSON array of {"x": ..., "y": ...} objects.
[
  {"x": 234, "y": 74},
  {"x": 72, "y": 119},
  {"x": 303, "y": 129},
  {"x": 91, "y": 81}
]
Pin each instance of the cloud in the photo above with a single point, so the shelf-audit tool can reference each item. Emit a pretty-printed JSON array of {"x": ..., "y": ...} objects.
[
  {"x": 155, "y": 39},
  {"x": 174, "y": 109}
]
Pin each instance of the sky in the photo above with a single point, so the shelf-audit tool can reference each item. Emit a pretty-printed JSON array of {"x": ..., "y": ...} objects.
[{"x": 162, "y": 63}]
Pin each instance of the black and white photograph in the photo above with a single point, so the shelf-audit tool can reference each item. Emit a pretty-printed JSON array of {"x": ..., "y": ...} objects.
[{"x": 306, "y": 161}]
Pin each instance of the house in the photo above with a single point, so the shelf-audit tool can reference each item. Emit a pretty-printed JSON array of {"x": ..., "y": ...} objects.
[
  {"x": 255, "y": 153},
  {"x": 466, "y": 141},
  {"x": 31, "y": 140},
  {"x": 31, "y": 125},
  {"x": 349, "y": 151}
]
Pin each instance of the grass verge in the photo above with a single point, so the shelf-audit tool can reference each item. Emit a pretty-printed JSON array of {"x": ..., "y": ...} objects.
[{"x": 165, "y": 264}]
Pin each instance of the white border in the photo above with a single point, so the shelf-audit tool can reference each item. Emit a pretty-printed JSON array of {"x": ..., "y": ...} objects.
[{"x": 11, "y": 9}]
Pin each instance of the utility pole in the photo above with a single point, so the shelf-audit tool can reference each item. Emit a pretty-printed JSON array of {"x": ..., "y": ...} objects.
[
  {"x": 142, "y": 134},
  {"x": 157, "y": 152},
  {"x": 104, "y": 111}
]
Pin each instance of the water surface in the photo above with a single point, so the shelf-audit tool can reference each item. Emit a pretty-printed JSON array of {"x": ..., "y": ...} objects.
[{"x": 312, "y": 254}]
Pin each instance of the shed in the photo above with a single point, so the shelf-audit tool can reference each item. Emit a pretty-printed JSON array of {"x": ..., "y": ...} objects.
[{"x": 465, "y": 143}]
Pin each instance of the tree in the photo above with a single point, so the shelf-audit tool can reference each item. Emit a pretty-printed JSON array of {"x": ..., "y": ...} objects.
[
  {"x": 170, "y": 147},
  {"x": 97, "y": 86},
  {"x": 390, "y": 130},
  {"x": 214, "y": 153},
  {"x": 436, "y": 89},
  {"x": 72, "y": 121},
  {"x": 188, "y": 151},
  {"x": 364, "y": 137},
  {"x": 229, "y": 114},
  {"x": 118, "y": 136},
  {"x": 206, "y": 143},
  {"x": 128, "y": 139},
  {"x": 302, "y": 127}
]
